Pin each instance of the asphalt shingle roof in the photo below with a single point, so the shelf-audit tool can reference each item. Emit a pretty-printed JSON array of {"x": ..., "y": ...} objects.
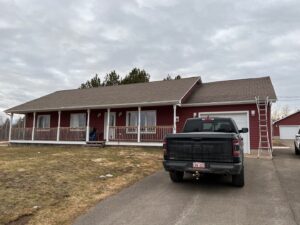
[
  {"x": 233, "y": 91},
  {"x": 152, "y": 93}
]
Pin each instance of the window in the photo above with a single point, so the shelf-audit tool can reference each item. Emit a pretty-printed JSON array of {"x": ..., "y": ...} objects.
[
  {"x": 215, "y": 125},
  {"x": 43, "y": 121},
  {"x": 78, "y": 120},
  {"x": 148, "y": 121}
]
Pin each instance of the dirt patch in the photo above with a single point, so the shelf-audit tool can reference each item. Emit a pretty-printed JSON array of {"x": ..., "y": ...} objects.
[
  {"x": 22, "y": 220},
  {"x": 54, "y": 185}
]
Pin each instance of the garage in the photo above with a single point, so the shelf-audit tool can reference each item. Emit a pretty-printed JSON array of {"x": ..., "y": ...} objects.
[
  {"x": 241, "y": 119},
  {"x": 287, "y": 127},
  {"x": 288, "y": 132}
]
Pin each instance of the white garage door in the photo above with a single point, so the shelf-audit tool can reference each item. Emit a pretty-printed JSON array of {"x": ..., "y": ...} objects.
[
  {"x": 288, "y": 132},
  {"x": 241, "y": 120}
]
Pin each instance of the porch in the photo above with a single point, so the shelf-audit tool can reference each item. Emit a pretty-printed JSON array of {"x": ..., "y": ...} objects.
[{"x": 123, "y": 126}]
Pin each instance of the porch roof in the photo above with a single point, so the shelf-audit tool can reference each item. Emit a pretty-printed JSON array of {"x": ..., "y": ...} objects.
[{"x": 141, "y": 94}]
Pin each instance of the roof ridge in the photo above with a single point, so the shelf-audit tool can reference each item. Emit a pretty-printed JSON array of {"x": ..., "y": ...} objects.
[{"x": 132, "y": 84}]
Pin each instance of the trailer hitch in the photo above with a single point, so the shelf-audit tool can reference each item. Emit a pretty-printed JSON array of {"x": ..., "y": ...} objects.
[{"x": 196, "y": 175}]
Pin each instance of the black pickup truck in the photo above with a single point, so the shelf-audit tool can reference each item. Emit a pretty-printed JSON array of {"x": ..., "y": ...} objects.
[{"x": 206, "y": 145}]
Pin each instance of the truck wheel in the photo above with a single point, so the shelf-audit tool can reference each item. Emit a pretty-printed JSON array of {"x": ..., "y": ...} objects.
[
  {"x": 238, "y": 180},
  {"x": 297, "y": 151},
  {"x": 176, "y": 176}
]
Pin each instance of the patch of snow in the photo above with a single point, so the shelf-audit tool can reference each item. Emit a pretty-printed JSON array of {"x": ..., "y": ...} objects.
[{"x": 109, "y": 175}]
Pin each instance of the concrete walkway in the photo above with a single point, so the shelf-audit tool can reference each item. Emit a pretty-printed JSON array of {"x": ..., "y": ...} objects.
[{"x": 271, "y": 196}]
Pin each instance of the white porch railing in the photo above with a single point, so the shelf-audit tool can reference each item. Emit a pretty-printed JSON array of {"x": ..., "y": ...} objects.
[
  {"x": 71, "y": 134},
  {"x": 21, "y": 133},
  {"x": 48, "y": 134},
  {"x": 130, "y": 133},
  {"x": 116, "y": 134}
]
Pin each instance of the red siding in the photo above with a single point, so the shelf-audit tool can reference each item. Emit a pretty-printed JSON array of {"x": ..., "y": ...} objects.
[
  {"x": 65, "y": 117},
  {"x": 164, "y": 117},
  {"x": 290, "y": 120},
  {"x": 29, "y": 120},
  {"x": 53, "y": 118},
  {"x": 185, "y": 113}
]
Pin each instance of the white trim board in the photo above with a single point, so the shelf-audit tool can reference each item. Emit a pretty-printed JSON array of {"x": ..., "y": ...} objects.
[
  {"x": 49, "y": 142},
  {"x": 222, "y": 103},
  {"x": 115, "y": 106},
  {"x": 154, "y": 144}
]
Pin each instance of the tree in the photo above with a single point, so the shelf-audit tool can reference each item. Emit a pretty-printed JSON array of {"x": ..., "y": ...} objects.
[
  {"x": 112, "y": 79},
  {"x": 136, "y": 76},
  {"x": 169, "y": 77},
  {"x": 280, "y": 112},
  {"x": 178, "y": 77},
  {"x": 93, "y": 82}
]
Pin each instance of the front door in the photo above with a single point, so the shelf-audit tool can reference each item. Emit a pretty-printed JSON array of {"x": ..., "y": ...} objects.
[{"x": 112, "y": 123}]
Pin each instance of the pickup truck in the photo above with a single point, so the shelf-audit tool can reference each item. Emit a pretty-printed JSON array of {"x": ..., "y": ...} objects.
[
  {"x": 206, "y": 145},
  {"x": 297, "y": 143}
]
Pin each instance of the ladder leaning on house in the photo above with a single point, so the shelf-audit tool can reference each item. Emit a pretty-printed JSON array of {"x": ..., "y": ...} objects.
[{"x": 263, "y": 122}]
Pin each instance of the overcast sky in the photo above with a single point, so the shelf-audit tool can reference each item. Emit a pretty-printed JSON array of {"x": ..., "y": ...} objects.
[{"x": 50, "y": 45}]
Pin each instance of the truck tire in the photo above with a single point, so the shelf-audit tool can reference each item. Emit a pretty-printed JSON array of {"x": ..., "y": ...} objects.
[
  {"x": 176, "y": 176},
  {"x": 238, "y": 180},
  {"x": 297, "y": 151}
]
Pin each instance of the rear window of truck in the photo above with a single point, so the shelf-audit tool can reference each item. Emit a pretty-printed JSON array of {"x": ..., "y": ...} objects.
[{"x": 209, "y": 125}]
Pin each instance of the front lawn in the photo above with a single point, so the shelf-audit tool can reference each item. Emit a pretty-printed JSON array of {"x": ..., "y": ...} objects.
[{"x": 54, "y": 185}]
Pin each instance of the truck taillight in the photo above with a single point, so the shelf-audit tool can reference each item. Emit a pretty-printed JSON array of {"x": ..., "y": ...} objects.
[
  {"x": 236, "y": 147},
  {"x": 165, "y": 147}
]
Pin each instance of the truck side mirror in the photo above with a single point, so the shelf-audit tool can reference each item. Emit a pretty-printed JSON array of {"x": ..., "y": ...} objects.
[{"x": 244, "y": 130}]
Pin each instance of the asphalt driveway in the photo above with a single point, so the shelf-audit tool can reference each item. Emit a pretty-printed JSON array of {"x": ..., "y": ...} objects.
[{"x": 271, "y": 196}]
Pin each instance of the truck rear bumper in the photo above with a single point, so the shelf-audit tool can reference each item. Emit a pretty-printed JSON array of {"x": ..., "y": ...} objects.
[{"x": 217, "y": 168}]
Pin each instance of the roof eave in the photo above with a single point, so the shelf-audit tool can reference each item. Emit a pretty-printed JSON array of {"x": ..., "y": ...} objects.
[
  {"x": 223, "y": 103},
  {"x": 125, "y": 105}
]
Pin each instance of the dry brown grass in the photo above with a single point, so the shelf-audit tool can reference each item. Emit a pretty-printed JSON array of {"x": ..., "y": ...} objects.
[
  {"x": 277, "y": 142},
  {"x": 53, "y": 185}
]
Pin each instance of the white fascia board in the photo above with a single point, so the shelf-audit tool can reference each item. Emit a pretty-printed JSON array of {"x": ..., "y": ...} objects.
[
  {"x": 49, "y": 142},
  {"x": 150, "y": 144},
  {"x": 125, "y": 105},
  {"x": 222, "y": 103}
]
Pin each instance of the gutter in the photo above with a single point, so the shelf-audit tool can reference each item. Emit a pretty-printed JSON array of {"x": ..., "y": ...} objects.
[
  {"x": 124, "y": 105},
  {"x": 223, "y": 103}
]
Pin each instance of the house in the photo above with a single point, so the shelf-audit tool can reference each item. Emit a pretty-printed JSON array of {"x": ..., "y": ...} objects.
[
  {"x": 143, "y": 113},
  {"x": 287, "y": 127}
]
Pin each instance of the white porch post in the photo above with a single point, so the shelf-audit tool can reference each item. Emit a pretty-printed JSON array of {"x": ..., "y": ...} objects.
[
  {"x": 87, "y": 137},
  {"x": 139, "y": 125},
  {"x": 24, "y": 127},
  {"x": 58, "y": 126},
  {"x": 174, "y": 119},
  {"x": 10, "y": 125},
  {"x": 107, "y": 125},
  {"x": 33, "y": 126}
]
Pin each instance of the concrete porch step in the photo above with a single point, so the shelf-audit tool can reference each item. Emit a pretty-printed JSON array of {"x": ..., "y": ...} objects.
[{"x": 95, "y": 144}]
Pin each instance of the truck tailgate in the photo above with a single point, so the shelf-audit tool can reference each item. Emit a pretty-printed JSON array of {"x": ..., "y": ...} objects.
[{"x": 202, "y": 149}]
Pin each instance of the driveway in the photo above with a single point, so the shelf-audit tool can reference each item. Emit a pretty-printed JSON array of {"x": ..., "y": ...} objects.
[{"x": 271, "y": 196}]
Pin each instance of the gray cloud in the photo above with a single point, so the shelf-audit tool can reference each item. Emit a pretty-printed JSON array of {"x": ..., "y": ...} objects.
[{"x": 51, "y": 45}]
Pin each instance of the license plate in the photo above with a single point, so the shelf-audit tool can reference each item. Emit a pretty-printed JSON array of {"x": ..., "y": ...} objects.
[{"x": 199, "y": 165}]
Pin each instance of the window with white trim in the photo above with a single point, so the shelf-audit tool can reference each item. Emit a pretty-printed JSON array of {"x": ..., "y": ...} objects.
[
  {"x": 148, "y": 121},
  {"x": 78, "y": 120},
  {"x": 43, "y": 121}
]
